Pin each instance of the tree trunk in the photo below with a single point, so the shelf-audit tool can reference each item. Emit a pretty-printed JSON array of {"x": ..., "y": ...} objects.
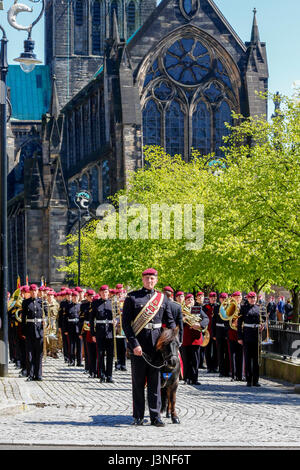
[{"x": 296, "y": 303}]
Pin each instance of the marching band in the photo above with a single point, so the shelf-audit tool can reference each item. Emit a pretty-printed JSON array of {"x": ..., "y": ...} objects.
[{"x": 81, "y": 324}]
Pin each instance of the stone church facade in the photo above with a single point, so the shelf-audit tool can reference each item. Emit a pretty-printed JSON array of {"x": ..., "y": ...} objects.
[{"x": 122, "y": 75}]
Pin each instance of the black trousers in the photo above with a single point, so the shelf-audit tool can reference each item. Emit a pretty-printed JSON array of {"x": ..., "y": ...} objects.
[
  {"x": 236, "y": 359},
  {"x": 121, "y": 351},
  {"x": 251, "y": 361},
  {"x": 140, "y": 371},
  {"x": 211, "y": 355},
  {"x": 105, "y": 345},
  {"x": 191, "y": 359},
  {"x": 223, "y": 356},
  {"x": 202, "y": 356},
  {"x": 34, "y": 348},
  {"x": 86, "y": 352},
  {"x": 65, "y": 344},
  {"x": 75, "y": 347},
  {"x": 92, "y": 357}
]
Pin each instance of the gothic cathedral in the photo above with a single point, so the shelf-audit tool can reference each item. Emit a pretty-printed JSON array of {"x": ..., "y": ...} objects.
[{"x": 118, "y": 75}]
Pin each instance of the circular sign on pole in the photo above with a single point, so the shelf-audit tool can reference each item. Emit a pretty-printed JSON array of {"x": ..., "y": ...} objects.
[{"x": 83, "y": 200}]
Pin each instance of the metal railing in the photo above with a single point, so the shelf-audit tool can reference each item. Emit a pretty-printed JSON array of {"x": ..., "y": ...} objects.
[{"x": 286, "y": 339}]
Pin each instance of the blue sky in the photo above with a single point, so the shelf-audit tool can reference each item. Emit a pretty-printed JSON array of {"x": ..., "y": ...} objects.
[{"x": 278, "y": 21}]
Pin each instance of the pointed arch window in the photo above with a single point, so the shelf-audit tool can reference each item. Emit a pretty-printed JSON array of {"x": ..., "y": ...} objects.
[
  {"x": 201, "y": 128},
  {"x": 223, "y": 115},
  {"x": 152, "y": 124},
  {"x": 78, "y": 13},
  {"x": 131, "y": 18},
  {"x": 174, "y": 129},
  {"x": 96, "y": 28}
]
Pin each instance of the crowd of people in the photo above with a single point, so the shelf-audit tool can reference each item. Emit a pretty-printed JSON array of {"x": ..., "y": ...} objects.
[{"x": 101, "y": 331}]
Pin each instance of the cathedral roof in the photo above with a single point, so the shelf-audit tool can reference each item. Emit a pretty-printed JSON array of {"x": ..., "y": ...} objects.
[{"x": 30, "y": 93}]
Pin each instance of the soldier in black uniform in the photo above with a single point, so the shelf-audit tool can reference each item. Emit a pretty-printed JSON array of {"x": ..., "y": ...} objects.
[
  {"x": 103, "y": 333},
  {"x": 33, "y": 330},
  {"x": 90, "y": 349},
  {"x": 220, "y": 335},
  {"x": 143, "y": 345},
  {"x": 67, "y": 298},
  {"x": 249, "y": 325},
  {"x": 71, "y": 327},
  {"x": 176, "y": 311}
]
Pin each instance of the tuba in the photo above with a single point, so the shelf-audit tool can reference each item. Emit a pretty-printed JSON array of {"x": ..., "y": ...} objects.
[
  {"x": 228, "y": 309},
  {"x": 15, "y": 305}
]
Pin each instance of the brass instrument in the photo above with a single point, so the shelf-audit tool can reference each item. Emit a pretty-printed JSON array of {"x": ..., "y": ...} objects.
[
  {"x": 15, "y": 303},
  {"x": 228, "y": 309},
  {"x": 206, "y": 337},
  {"x": 190, "y": 318}
]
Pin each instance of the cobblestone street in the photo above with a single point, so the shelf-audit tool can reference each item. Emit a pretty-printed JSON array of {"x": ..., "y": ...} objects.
[{"x": 68, "y": 408}]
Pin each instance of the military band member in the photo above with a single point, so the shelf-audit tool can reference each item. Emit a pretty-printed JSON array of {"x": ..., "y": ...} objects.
[
  {"x": 52, "y": 327},
  {"x": 211, "y": 309},
  {"x": 121, "y": 338},
  {"x": 176, "y": 311},
  {"x": 103, "y": 333},
  {"x": 200, "y": 301},
  {"x": 143, "y": 314},
  {"x": 90, "y": 348},
  {"x": 220, "y": 335},
  {"x": 25, "y": 292},
  {"x": 33, "y": 330},
  {"x": 71, "y": 327},
  {"x": 249, "y": 325},
  {"x": 67, "y": 299},
  {"x": 235, "y": 349},
  {"x": 192, "y": 338}
]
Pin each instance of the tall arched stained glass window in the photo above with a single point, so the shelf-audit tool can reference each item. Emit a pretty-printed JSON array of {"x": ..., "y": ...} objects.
[
  {"x": 131, "y": 18},
  {"x": 78, "y": 13},
  {"x": 96, "y": 22},
  {"x": 174, "y": 129},
  {"x": 201, "y": 128},
  {"x": 223, "y": 115},
  {"x": 151, "y": 124},
  {"x": 95, "y": 184},
  {"x": 84, "y": 182}
]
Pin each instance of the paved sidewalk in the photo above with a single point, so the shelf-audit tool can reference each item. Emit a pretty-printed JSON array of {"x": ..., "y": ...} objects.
[{"x": 69, "y": 409}]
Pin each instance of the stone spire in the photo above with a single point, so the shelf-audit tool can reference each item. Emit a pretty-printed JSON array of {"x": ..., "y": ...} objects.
[{"x": 255, "y": 39}]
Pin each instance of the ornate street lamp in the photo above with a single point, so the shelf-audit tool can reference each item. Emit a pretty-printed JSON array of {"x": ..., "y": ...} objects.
[{"x": 28, "y": 60}]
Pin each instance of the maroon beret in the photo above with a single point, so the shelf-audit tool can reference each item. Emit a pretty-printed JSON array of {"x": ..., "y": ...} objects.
[
  {"x": 42, "y": 288},
  {"x": 188, "y": 296},
  {"x": 149, "y": 272},
  {"x": 90, "y": 292},
  {"x": 96, "y": 297},
  {"x": 212, "y": 294},
  {"x": 199, "y": 293},
  {"x": 104, "y": 287},
  {"x": 179, "y": 293},
  {"x": 25, "y": 289},
  {"x": 119, "y": 286},
  {"x": 78, "y": 289},
  {"x": 223, "y": 295},
  {"x": 251, "y": 294},
  {"x": 33, "y": 287},
  {"x": 169, "y": 289},
  {"x": 236, "y": 294}
]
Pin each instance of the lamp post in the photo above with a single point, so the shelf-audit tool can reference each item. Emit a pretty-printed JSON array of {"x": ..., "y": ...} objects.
[{"x": 28, "y": 60}]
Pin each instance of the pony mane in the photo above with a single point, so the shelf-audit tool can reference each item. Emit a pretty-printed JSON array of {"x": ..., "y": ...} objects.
[{"x": 167, "y": 336}]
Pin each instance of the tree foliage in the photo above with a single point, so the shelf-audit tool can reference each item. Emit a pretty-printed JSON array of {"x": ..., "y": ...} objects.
[{"x": 251, "y": 214}]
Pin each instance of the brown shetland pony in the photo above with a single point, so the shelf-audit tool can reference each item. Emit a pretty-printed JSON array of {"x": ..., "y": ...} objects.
[{"x": 168, "y": 346}]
